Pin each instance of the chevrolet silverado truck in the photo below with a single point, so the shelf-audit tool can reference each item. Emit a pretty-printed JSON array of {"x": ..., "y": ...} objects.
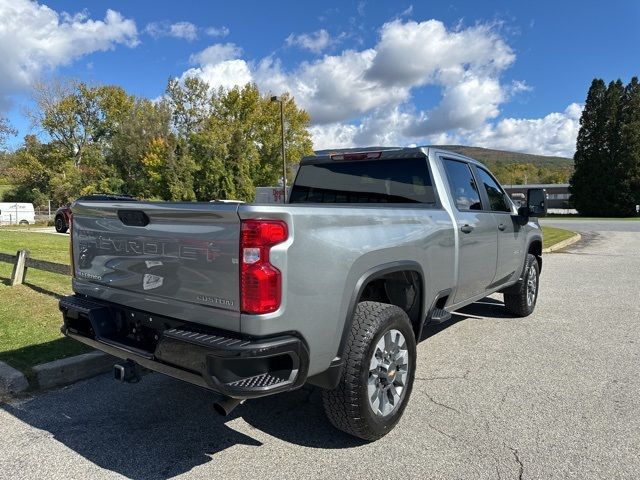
[{"x": 332, "y": 288}]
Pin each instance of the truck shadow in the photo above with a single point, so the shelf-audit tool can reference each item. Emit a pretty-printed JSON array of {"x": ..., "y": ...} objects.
[
  {"x": 161, "y": 427},
  {"x": 486, "y": 308}
]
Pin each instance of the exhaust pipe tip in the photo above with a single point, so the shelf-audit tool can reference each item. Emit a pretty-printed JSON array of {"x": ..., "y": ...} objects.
[{"x": 226, "y": 405}]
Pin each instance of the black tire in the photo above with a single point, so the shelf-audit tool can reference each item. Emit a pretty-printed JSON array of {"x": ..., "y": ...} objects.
[
  {"x": 347, "y": 406},
  {"x": 518, "y": 300},
  {"x": 61, "y": 227},
  {"x": 24, "y": 222}
]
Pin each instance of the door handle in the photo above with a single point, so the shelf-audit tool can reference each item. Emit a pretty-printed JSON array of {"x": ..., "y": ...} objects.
[
  {"x": 466, "y": 228},
  {"x": 501, "y": 227}
]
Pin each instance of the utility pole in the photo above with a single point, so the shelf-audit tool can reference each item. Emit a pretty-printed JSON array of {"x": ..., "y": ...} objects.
[{"x": 284, "y": 161}]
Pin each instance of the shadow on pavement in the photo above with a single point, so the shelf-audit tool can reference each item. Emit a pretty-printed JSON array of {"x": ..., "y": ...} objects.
[{"x": 161, "y": 427}]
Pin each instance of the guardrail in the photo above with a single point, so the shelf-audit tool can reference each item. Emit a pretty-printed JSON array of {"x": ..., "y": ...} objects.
[{"x": 21, "y": 262}]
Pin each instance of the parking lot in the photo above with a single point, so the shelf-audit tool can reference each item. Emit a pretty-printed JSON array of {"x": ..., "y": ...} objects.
[{"x": 554, "y": 395}]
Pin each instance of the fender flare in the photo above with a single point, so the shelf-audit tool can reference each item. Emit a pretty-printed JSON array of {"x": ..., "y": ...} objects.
[{"x": 329, "y": 378}]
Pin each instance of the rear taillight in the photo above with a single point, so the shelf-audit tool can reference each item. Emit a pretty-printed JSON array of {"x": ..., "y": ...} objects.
[{"x": 260, "y": 282}]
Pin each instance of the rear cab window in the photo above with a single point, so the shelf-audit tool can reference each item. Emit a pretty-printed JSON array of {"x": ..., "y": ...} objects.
[{"x": 405, "y": 180}]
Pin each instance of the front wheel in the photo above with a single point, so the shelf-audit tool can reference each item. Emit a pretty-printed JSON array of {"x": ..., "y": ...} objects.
[
  {"x": 376, "y": 381},
  {"x": 522, "y": 297}
]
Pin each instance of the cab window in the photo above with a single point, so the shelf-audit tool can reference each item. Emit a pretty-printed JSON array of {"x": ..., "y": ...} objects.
[
  {"x": 462, "y": 185},
  {"x": 497, "y": 198}
]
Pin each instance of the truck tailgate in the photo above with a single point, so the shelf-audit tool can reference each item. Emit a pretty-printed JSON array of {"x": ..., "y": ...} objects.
[{"x": 171, "y": 251}]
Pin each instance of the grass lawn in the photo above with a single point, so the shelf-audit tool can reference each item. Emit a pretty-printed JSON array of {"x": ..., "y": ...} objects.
[
  {"x": 43, "y": 246},
  {"x": 29, "y": 316},
  {"x": 554, "y": 235},
  {"x": 578, "y": 217}
]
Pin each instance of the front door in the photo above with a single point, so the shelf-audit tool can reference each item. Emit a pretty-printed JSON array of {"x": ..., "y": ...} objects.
[{"x": 477, "y": 231}]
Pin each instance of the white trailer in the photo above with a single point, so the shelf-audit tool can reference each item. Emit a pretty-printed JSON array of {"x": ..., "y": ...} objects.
[{"x": 16, "y": 213}]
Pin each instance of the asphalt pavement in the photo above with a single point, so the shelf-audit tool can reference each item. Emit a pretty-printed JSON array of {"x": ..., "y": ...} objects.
[{"x": 554, "y": 395}]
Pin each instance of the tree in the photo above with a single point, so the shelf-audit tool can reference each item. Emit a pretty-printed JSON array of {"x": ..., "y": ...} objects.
[
  {"x": 78, "y": 117},
  {"x": 606, "y": 178},
  {"x": 589, "y": 152},
  {"x": 143, "y": 153},
  {"x": 6, "y": 130},
  {"x": 628, "y": 169},
  {"x": 190, "y": 103},
  {"x": 233, "y": 136}
]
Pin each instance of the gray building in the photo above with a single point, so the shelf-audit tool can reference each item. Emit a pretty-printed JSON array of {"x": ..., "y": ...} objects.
[{"x": 558, "y": 196}]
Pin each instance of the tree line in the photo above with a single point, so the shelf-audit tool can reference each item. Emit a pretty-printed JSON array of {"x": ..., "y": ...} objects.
[
  {"x": 606, "y": 177},
  {"x": 194, "y": 143}
]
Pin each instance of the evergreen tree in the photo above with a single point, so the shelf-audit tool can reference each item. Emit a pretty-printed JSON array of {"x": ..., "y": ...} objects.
[
  {"x": 607, "y": 185},
  {"x": 628, "y": 168},
  {"x": 589, "y": 152}
]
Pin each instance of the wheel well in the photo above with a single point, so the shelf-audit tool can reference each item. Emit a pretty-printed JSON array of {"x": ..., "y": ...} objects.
[
  {"x": 535, "y": 248},
  {"x": 402, "y": 288}
]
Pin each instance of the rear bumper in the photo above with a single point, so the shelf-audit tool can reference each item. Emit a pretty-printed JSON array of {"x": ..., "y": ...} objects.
[{"x": 225, "y": 362}]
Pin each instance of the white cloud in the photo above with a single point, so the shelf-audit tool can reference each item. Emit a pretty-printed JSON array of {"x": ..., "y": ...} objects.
[
  {"x": 554, "y": 134},
  {"x": 219, "y": 66},
  {"x": 315, "y": 42},
  {"x": 35, "y": 39},
  {"x": 407, "y": 12},
  {"x": 185, "y": 30},
  {"x": 366, "y": 97},
  {"x": 218, "y": 53},
  {"x": 217, "y": 31}
]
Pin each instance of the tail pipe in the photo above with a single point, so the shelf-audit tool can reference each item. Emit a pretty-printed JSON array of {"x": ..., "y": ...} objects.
[{"x": 226, "y": 405}]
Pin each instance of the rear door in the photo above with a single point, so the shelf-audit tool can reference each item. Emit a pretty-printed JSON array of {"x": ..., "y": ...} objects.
[
  {"x": 172, "y": 252},
  {"x": 510, "y": 235},
  {"x": 477, "y": 230}
]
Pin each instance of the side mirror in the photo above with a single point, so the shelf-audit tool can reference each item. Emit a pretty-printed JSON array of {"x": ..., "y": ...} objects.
[
  {"x": 537, "y": 202},
  {"x": 523, "y": 216}
]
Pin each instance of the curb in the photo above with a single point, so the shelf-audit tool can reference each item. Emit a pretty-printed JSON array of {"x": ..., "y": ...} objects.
[
  {"x": 563, "y": 244},
  {"x": 69, "y": 370},
  {"x": 12, "y": 381}
]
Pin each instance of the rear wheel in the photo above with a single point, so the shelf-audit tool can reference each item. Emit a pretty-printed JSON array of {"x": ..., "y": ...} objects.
[
  {"x": 24, "y": 222},
  {"x": 61, "y": 227},
  {"x": 522, "y": 297},
  {"x": 376, "y": 382}
]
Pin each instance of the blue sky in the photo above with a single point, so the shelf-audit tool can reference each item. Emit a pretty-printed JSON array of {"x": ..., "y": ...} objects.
[{"x": 509, "y": 75}]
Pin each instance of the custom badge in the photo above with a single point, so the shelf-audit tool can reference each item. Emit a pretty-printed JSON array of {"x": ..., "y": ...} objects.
[{"x": 149, "y": 282}]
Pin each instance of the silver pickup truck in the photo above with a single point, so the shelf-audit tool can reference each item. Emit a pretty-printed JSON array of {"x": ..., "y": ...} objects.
[{"x": 332, "y": 288}]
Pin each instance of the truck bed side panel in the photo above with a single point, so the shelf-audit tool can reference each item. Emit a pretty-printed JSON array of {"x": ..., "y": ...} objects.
[{"x": 330, "y": 248}]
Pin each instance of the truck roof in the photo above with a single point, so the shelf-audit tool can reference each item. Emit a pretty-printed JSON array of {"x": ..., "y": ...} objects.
[{"x": 385, "y": 152}]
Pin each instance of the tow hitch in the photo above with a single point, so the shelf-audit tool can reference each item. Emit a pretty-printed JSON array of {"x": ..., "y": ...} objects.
[{"x": 127, "y": 372}]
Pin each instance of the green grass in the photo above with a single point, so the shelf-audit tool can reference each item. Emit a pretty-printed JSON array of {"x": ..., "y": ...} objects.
[
  {"x": 554, "y": 235},
  {"x": 43, "y": 246},
  {"x": 29, "y": 316},
  {"x": 578, "y": 217}
]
